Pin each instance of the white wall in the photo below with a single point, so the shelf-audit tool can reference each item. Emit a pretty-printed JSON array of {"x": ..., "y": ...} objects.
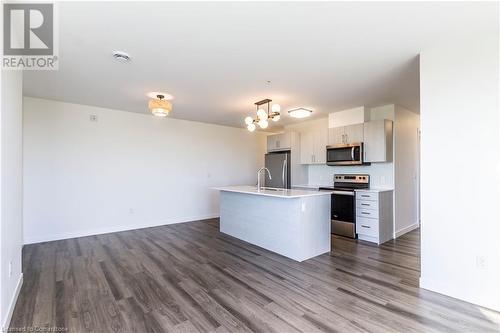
[
  {"x": 11, "y": 230},
  {"x": 406, "y": 163},
  {"x": 460, "y": 164},
  {"x": 125, "y": 171}
]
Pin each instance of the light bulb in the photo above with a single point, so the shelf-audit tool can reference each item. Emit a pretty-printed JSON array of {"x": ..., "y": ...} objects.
[
  {"x": 160, "y": 112},
  {"x": 263, "y": 123},
  {"x": 261, "y": 114},
  {"x": 251, "y": 127},
  {"x": 276, "y": 108},
  {"x": 276, "y": 117},
  {"x": 248, "y": 120}
]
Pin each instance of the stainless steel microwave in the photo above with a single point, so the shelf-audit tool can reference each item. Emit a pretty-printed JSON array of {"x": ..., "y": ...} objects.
[{"x": 345, "y": 154}]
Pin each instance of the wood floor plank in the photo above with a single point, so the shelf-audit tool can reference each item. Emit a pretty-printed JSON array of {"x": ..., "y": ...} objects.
[{"x": 189, "y": 277}]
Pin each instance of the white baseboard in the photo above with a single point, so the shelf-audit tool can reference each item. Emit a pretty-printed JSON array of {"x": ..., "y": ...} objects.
[
  {"x": 83, "y": 233},
  {"x": 404, "y": 230},
  {"x": 12, "y": 304}
]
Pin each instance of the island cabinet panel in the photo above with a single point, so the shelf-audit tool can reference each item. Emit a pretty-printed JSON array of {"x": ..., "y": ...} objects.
[{"x": 297, "y": 228}]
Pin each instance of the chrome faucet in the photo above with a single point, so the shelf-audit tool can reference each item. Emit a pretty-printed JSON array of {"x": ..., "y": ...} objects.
[{"x": 258, "y": 176}]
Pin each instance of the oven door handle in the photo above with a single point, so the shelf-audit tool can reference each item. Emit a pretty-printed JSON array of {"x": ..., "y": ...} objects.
[{"x": 344, "y": 193}]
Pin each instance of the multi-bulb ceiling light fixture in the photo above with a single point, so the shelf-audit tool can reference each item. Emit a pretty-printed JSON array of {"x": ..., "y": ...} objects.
[{"x": 263, "y": 116}]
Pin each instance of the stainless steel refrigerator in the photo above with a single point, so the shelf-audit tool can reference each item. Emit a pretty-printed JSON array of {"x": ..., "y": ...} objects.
[{"x": 278, "y": 164}]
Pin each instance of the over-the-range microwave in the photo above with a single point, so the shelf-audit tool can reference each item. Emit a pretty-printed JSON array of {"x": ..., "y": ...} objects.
[{"x": 345, "y": 154}]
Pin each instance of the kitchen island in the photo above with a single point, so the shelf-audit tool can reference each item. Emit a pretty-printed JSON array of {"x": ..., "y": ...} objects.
[{"x": 290, "y": 222}]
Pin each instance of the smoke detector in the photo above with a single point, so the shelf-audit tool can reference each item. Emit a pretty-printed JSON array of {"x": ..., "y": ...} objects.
[{"x": 121, "y": 56}]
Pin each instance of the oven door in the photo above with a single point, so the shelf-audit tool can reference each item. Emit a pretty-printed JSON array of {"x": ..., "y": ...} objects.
[
  {"x": 349, "y": 154},
  {"x": 344, "y": 213}
]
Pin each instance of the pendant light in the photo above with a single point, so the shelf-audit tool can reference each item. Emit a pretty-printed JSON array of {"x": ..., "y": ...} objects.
[
  {"x": 159, "y": 106},
  {"x": 263, "y": 115}
]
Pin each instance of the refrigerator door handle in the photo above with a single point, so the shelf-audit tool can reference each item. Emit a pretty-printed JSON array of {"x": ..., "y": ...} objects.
[{"x": 283, "y": 173}]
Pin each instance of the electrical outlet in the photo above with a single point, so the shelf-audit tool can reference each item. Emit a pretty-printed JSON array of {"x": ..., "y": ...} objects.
[
  {"x": 481, "y": 262},
  {"x": 93, "y": 117}
]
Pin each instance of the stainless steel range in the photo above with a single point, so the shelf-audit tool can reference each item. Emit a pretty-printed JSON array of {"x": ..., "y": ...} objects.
[{"x": 344, "y": 202}]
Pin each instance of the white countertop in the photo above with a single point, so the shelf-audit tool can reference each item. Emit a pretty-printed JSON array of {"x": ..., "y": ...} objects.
[
  {"x": 309, "y": 186},
  {"x": 375, "y": 189},
  {"x": 313, "y": 187},
  {"x": 280, "y": 193}
]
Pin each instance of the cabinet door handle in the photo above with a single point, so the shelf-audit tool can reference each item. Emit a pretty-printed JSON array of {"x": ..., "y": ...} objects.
[
  {"x": 365, "y": 213},
  {"x": 365, "y": 226},
  {"x": 363, "y": 204},
  {"x": 365, "y": 196}
]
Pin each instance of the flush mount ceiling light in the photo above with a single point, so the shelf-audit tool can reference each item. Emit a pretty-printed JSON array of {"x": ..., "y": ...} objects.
[
  {"x": 159, "y": 106},
  {"x": 300, "y": 113},
  {"x": 263, "y": 116},
  {"x": 121, "y": 56}
]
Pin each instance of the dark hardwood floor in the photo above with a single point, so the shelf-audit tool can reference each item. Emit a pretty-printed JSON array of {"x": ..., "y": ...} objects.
[{"x": 189, "y": 277}]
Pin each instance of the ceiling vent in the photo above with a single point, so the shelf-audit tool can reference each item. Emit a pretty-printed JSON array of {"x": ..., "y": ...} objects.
[{"x": 121, "y": 56}]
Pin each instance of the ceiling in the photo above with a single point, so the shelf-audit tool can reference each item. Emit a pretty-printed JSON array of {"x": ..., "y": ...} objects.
[{"x": 216, "y": 58}]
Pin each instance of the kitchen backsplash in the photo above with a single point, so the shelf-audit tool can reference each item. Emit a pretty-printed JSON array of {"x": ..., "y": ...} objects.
[{"x": 381, "y": 174}]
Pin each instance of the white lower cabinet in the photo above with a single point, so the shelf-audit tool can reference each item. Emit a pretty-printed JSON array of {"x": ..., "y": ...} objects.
[
  {"x": 374, "y": 217},
  {"x": 366, "y": 226}
]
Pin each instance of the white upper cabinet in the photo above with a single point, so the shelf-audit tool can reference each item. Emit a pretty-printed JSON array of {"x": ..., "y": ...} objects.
[
  {"x": 271, "y": 142},
  {"x": 313, "y": 146},
  {"x": 345, "y": 134},
  {"x": 336, "y": 135},
  {"x": 353, "y": 133},
  {"x": 281, "y": 141},
  {"x": 320, "y": 143},
  {"x": 306, "y": 148},
  {"x": 378, "y": 141}
]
